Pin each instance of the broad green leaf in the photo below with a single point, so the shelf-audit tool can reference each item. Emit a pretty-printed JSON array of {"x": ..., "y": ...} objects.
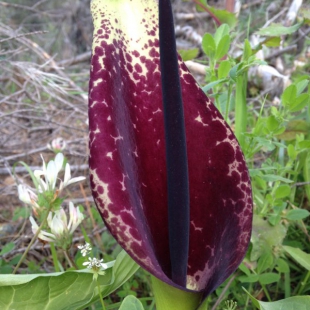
[
  {"x": 68, "y": 290},
  {"x": 282, "y": 191},
  {"x": 299, "y": 256},
  {"x": 131, "y": 303},
  {"x": 289, "y": 95},
  {"x": 7, "y": 248},
  {"x": 297, "y": 214},
  {"x": 224, "y": 69},
  {"x": 276, "y": 30},
  {"x": 292, "y": 303},
  {"x": 62, "y": 290},
  {"x": 269, "y": 277},
  {"x": 222, "y": 47},
  {"x": 221, "y": 32},
  {"x": 189, "y": 54},
  {"x": 208, "y": 45}
]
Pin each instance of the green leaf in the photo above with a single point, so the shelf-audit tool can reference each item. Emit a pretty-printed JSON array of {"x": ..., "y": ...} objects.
[
  {"x": 224, "y": 16},
  {"x": 272, "y": 42},
  {"x": 223, "y": 47},
  {"x": 62, "y": 290},
  {"x": 289, "y": 95},
  {"x": 299, "y": 256},
  {"x": 221, "y": 32},
  {"x": 247, "y": 50},
  {"x": 269, "y": 277},
  {"x": 282, "y": 266},
  {"x": 297, "y": 214},
  {"x": 233, "y": 73},
  {"x": 249, "y": 279},
  {"x": 189, "y": 54},
  {"x": 7, "y": 248},
  {"x": 299, "y": 103},
  {"x": 208, "y": 45},
  {"x": 265, "y": 237},
  {"x": 131, "y": 303},
  {"x": 274, "y": 178},
  {"x": 224, "y": 69},
  {"x": 282, "y": 191},
  {"x": 291, "y": 152},
  {"x": 301, "y": 86},
  {"x": 292, "y": 303},
  {"x": 264, "y": 262},
  {"x": 276, "y": 30},
  {"x": 212, "y": 84}
]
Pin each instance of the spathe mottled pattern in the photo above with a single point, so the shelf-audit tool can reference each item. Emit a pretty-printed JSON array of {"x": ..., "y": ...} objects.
[{"x": 127, "y": 153}]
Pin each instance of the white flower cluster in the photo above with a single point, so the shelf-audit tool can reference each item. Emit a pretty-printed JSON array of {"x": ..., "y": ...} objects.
[
  {"x": 94, "y": 263},
  {"x": 59, "y": 225},
  {"x": 85, "y": 249},
  {"x": 45, "y": 181}
]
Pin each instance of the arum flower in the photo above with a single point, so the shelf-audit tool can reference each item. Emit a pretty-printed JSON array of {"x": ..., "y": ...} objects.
[
  {"x": 43, "y": 235},
  {"x": 167, "y": 173}
]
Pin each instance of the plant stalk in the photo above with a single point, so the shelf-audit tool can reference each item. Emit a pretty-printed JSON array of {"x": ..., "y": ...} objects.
[
  {"x": 34, "y": 238},
  {"x": 168, "y": 297}
]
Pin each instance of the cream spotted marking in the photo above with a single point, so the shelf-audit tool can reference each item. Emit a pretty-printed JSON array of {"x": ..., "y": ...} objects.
[{"x": 127, "y": 153}]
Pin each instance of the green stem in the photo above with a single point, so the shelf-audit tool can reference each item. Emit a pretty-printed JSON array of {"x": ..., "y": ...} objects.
[
  {"x": 168, "y": 297},
  {"x": 100, "y": 295},
  {"x": 34, "y": 238},
  {"x": 228, "y": 101},
  {"x": 266, "y": 293},
  {"x": 71, "y": 262},
  {"x": 303, "y": 283},
  {"x": 54, "y": 256},
  {"x": 241, "y": 109}
]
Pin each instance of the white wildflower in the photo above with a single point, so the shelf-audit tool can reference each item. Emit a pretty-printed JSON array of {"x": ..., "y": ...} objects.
[
  {"x": 57, "y": 145},
  {"x": 43, "y": 235},
  {"x": 28, "y": 196},
  {"x": 94, "y": 263},
  {"x": 67, "y": 178},
  {"x": 85, "y": 249}
]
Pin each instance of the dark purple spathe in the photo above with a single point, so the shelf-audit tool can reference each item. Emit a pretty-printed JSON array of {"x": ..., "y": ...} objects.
[{"x": 127, "y": 153}]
